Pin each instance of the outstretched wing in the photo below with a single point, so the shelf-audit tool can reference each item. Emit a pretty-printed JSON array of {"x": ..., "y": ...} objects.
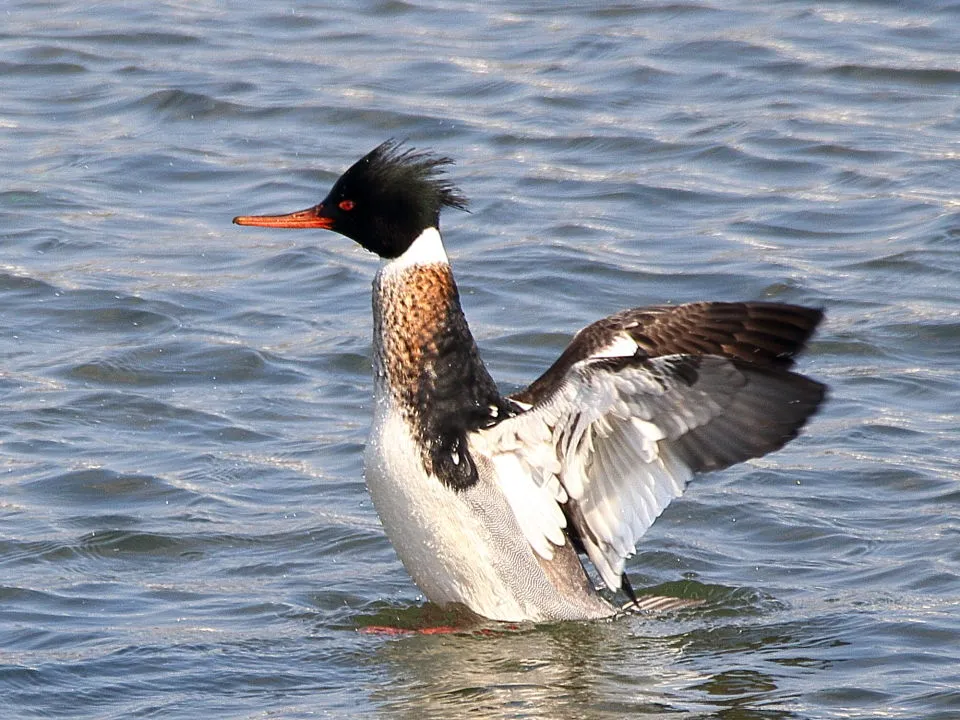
[
  {"x": 761, "y": 333},
  {"x": 615, "y": 434}
]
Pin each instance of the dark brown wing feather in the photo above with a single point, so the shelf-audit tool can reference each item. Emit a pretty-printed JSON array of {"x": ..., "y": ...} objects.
[{"x": 768, "y": 335}]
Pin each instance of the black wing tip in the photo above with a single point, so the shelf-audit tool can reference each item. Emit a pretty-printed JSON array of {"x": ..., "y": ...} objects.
[
  {"x": 757, "y": 427},
  {"x": 799, "y": 408}
]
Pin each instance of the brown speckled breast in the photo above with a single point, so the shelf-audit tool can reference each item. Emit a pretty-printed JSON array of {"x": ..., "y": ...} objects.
[
  {"x": 428, "y": 363},
  {"x": 410, "y": 308}
]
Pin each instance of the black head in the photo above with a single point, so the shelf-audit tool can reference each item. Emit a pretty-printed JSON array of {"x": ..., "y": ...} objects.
[{"x": 383, "y": 201}]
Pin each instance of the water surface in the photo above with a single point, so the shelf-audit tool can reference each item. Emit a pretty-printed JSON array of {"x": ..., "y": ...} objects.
[{"x": 184, "y": 529}]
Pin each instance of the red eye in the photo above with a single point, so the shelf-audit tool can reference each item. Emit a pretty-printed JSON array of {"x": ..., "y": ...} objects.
[{"x": 346, "y": 205}]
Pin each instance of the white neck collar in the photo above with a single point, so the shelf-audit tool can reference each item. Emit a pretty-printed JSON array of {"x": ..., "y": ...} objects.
[{"x": 427, "y": 249}]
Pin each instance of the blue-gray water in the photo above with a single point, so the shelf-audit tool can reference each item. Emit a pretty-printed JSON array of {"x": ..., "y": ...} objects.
[{"x": 184, "y": 530}]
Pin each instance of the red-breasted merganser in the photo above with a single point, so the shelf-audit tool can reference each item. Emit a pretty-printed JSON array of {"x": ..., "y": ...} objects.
[{"x": 490, "y": 500}]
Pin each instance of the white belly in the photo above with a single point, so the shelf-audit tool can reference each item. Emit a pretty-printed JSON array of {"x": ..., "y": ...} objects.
[{"x": 444, "y": 545}]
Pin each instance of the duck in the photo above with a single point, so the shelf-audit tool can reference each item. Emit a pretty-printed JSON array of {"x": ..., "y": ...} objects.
[{"x": 503, "y": 503}]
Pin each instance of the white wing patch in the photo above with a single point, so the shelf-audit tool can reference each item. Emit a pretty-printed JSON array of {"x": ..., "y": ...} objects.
[
  {"x": 595, "y": 443},
  {"x": 622, "y": 345},
  {"x": 526, "y": 469},
  {"x": 536, "y": 508},
  {"x": 619, "y": 438},
  {"x": 614, "y": 467}
]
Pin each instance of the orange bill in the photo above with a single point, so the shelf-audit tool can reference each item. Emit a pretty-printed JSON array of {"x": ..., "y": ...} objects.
[{"x": 310, "y": 218}]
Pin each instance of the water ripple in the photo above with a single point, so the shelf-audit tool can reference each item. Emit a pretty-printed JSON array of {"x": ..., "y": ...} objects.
[{"x": 185, "y": 527}]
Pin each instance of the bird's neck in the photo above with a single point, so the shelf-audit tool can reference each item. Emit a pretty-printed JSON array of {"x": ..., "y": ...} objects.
[
  {"x": 426, "y": 361},
  {"x": 426, "y": 249},
  {"x": 415, "y": 300},
  {"x": 417, "y": 319},
  {"x": 422, "y": 341}
]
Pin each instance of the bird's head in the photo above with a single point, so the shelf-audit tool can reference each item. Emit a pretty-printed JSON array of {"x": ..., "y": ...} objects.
[{"x": 384, "y": 201}]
